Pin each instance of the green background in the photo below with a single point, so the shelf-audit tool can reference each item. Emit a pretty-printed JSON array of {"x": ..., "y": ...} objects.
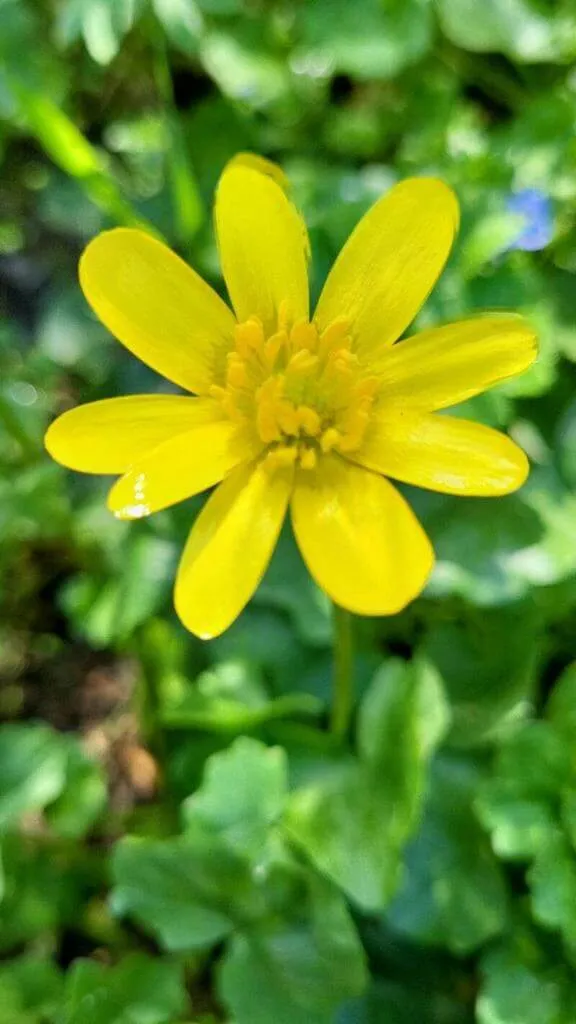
[{"x": 181, "y": 839}]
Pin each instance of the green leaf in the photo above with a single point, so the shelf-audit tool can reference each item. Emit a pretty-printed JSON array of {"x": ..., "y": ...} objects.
[
  {"x": 389, "y": 36},
  {"x": 524, "y": 984},
  {"x": 518, "y": 805},
  {"x": 83, "y": 798},
  {"x": 354, "y": 819},
  {"x": 30, "y": 990},
  {"x": 243, "y": 64},
  {"x": 232, "y": 697},
  {"x": 102, "y": 25},
  {"x": 64, "y": 143},
  {"x": 41, "y": 769},
  {"x": 518, "y": 28},
  {"x": 40, "y": 890},
  {"x": 561, "y": 707},
  {"x": 389, "y": 1002},
  {"x": 487, "y": 663},
  {"x": 289, "y": 586},
  {"x": 182, "y": 23},
  {"x": 138, "y": 990},
  {"x": 32, "y": 769},
  {"x": 566, "y": 445},
  {"x": 182, "y": 889},
  {"x": 453, "y": 892},
  {"x": 491, "y": 555},
  {"x": 297, "y": 972},
  {"x": 107, "y": 610},
  {"x": 256, "y": 775},
  {"x": 490, "y": 236},
  {"x": 552, "y": 881}
]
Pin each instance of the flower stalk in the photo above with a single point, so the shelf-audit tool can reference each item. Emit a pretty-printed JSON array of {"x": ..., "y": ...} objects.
[{"x": 343, "y": 695}]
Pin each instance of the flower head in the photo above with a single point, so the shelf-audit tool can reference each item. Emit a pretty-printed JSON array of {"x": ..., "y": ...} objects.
[{"x": 312, "y": 413}]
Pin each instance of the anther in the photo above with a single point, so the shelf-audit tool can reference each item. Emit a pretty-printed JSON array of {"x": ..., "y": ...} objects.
[
  {"x": 304, "y": 335},
  {"x": 281, "y": 457},
  {"x": 308, "y": 458},
  {"x": 330, "y": 438},
  {"x": 309, "y": 420}
]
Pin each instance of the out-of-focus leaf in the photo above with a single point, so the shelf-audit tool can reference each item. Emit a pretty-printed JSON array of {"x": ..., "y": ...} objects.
[
  {"x": 522, "y": 29},
  {"x": 101, "y": 24},
  {"x": 40, "y": 892},
  {"x": 243, "y": 67},
  {"x": 83, "y": 796},
  {"x": 561, "y": 706},
  {"x": 295, "y": 973},
  {"x": 30, "y": 990},
  {"x": 110, "y": 610},
  {"x": 518, "y": 803},
  {"x": 70, "y": 150},
  {"x": 552, "y": 880},
  {"x": 139, "y": 990},
  {"x": 22, "y": 32},
  {"x": 566, "y": 445},
  {"x": 231, "y": 697},
  {"x": 453, "y": 893},
  {"x": 523, "y": 985},
  {"x": 489, "y": 553},
  {"x": 289, "y": 586},
  {"x": 32, "y": 770},
  {"x": 488, "y": 666},
  {"x": 390, "y": 35},
  {"x": 182, "y": 23}
]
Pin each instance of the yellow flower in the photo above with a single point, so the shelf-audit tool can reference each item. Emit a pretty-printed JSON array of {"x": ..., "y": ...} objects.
[{"x": 315, "y": 413}]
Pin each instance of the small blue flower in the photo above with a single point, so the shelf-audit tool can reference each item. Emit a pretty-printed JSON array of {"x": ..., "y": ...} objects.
[{"x": 536, "y": 208}]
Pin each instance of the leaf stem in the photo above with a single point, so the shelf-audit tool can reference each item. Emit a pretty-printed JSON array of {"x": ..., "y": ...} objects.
[{"x": 343, "y": 696}]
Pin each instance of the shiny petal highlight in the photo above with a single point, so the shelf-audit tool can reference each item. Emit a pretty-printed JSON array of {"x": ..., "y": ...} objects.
[{"x": 175, "y": 470}]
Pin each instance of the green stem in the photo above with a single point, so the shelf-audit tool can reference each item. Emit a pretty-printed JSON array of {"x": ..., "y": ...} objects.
[
  {"x": 148, "y": 699},
  {"x": 343, "y": 697}
]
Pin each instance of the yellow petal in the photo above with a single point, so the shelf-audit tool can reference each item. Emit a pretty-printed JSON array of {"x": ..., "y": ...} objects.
[
  {"x": 360, "y": 539},
  {"x": 446, "y": 365},
  {"x": 443, "y": 453},
  {"x": 108, "y": 436},
  {"x": 175, "y": 470},
  {"x": 229, "y": 548},
  {"x": 157, "y": 306},
  {"x": 263, "y": 244},
  {"x": 261, "y": 164},
  {"x": 390, "y": 263}
]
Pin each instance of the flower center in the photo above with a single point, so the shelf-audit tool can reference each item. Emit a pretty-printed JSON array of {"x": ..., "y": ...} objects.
[{"x": 298, "y": 393}]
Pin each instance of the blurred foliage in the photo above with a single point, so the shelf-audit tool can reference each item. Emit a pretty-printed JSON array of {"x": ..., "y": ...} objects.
[{"x": 182, "y": 843}]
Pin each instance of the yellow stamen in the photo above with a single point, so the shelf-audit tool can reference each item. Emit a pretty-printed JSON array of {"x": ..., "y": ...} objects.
[
  {"x": 330, "y": 438},
  {"x": 298, "y": 393},
  {"x": 309, "y": 420},
  {"x": 308, "y": 458},
  {"x": 304, "y": 335},
  {"x": 281, "y": 457}
]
